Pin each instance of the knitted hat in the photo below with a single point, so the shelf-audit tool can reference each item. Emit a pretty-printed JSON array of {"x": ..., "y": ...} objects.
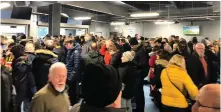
[
  {"x": 101, "y": 85},
  {"x": 129, "y": 56},
  {"x": 133, "y": 41}
]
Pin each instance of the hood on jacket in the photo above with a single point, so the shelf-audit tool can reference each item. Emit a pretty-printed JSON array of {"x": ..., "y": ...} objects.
[
  {"x": 46, "y": 52},
  {"x": 162, "y": 62}
]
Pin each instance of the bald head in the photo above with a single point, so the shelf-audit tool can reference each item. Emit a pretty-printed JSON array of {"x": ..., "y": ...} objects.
[
  {"x": 94, "y": 46},
  {"x": 208, "y": 99}
]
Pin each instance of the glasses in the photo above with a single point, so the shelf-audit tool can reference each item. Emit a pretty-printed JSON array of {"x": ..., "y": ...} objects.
[{"x": 207, "y": 106}]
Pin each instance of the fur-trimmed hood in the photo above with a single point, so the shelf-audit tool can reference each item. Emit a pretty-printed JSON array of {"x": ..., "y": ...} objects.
[
  {"x": 162, "y": 62},
  {"x": 46, "y": 52}
]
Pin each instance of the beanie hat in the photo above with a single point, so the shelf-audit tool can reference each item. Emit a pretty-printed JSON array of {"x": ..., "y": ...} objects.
[
  {"x": 129, "y": 56},
  {"x": 101, "y": 85},
  {"x": 133, "y": 41}
]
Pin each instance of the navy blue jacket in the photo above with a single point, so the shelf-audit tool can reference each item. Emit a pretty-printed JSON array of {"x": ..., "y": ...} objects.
[{"x": 73, "y": 61}]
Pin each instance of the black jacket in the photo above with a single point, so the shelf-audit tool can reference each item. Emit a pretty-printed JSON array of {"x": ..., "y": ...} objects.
[
  {"x": 214, "y": 65},
  {"x": 160, "y": 65},
  {"x": 31, "y": 57},
  {"x": 116, "y": 59},
  {"x": 6, "y": 90},
  {"x": 93, "y": 57},
  {"x": 87, "y": 108},
  {"x": 40, "y": 66},
  {"x": 140, "y": 59},
  {"x": 125, "y": 47},
  {"x": 128, "y": 74},
  {"x": 195, "y": 70},
  {"x": 23, "y": 79}
]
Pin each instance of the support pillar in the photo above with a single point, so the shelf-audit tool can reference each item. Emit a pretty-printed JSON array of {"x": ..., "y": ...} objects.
[{"x": 54, "y": 19}]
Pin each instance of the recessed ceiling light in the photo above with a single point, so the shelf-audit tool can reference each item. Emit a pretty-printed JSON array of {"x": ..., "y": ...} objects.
[
  {"x": 4, "y": 5},
  {"x": 82, "y": 18},
  {"x": 149, "y": 14}
]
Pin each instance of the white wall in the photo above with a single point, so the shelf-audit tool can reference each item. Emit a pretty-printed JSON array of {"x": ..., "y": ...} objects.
[
  {"x": 100, "y": 27},
  {"x": 209, "y": 29}
]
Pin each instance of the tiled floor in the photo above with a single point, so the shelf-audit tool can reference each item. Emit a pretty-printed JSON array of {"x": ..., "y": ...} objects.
[{"x": 149, "y": 106}]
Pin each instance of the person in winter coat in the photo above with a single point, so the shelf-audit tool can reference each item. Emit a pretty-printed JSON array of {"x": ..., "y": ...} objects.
[
  {"x": 101, "y": 90},
  {"x": 175, "y": 78},
  {"x": 161, "y": 63},
  {"x": 22, "y": 76},
  {"x": 208, "y": 99},
  {"x": 152, "y": 61},
  {"x": 53, "y": 96},
  {"x": 30, "y": 51},
  {"x": 86, "y": 46},
  {"x": 203, "y": 65},
  {"x": 116, "y": 56},
  {"x": 6, "y": 87},
  {"x": 124, "y": 46},
  {"x": 93, "y": 56},
  {"x": 127, "y": 71},
  {"x": 140, "y": 60},
  {"x": 42, "y": 62},
  {"x": 73, "y": 64}
]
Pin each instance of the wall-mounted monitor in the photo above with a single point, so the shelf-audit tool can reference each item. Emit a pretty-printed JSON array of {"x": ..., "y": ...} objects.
[
  {"x": 21, "y": 12},
  {"x": 191, "y": 30}
]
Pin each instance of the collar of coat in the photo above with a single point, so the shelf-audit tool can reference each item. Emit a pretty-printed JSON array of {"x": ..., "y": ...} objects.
[
  {"x": 162, "y": 62},
  {"x": 45, "y": 51}
]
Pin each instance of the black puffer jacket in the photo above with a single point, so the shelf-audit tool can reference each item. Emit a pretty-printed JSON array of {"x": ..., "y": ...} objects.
[
  {"x": 40, "y": 66},
  {"x": 140, "y": 59},
  {"x": 93, "y": 57},
  {"x": 6, "y": 90},
  {"x": 128, "y": 74},
  {"x": 23, "y": 79},
  {"x": 116, "y": 59}
]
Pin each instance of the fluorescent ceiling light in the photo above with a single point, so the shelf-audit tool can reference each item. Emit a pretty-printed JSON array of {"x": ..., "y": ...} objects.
[
  {"x": 4, "y": 5},
  {"x": 117, "y": 23},
  {"x": 150, "y": 14},
  {"x": 164, "y": 22},
  {"x": 65, "y": 15},
  {"x": 82, "y": 18}
]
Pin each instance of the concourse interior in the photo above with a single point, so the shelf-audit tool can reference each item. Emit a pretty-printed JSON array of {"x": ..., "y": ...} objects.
[{"x": 156, "y": 53}]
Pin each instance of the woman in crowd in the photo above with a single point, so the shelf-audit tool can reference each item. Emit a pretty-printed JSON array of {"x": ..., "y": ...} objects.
[
  {"x": 176, "y": 84},
  {"x": 128, "y": 74},
  {"x": 116, "y": 56},
  {"x": 23, "y": 78}
]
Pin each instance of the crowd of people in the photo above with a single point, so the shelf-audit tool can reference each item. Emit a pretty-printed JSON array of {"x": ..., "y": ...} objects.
[{"x": 94, "y": 74}]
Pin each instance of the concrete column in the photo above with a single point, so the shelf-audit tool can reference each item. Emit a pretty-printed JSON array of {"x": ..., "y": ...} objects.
[{"x": 54, "y": 19}]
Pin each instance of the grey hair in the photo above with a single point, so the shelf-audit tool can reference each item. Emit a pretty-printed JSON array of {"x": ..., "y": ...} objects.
[{"x": 56, "y": 65}]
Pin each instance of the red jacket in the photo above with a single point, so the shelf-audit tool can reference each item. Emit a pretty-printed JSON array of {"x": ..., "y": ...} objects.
[{"x": 106, "y": 54}]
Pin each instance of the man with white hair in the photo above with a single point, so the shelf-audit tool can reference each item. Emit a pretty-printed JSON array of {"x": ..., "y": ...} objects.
[
  {"x": 53, "y": 97},
  {"x": 201, "y": 65}
]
